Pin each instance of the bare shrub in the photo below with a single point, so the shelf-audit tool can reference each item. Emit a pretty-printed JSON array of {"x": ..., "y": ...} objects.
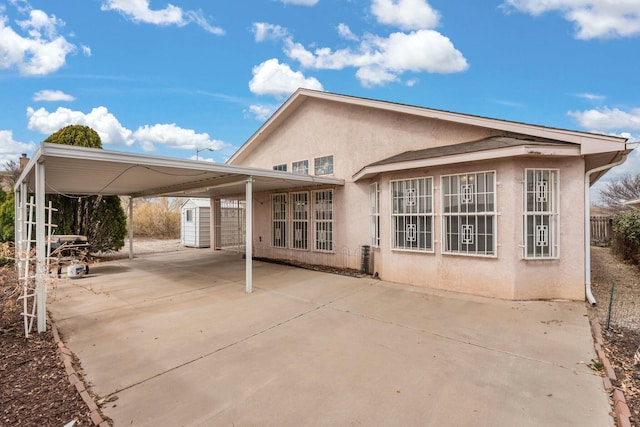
[{"x": 157, "y": 218}]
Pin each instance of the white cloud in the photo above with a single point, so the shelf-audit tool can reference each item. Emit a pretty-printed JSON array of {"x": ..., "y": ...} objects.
[
  {"x": 173, "y": 136},
  {"x": 41, "y": 51},
  {"x": 590, "y": 96},
  {"x": 113, "y": 133},
  {"x": 300, "y": 2},
  {"x": 86, "y": 50},
  {"x": 593, "y": 18},
  {"x": 374, "y": 76},
  {"x": 52, "y": 95},
  {"x": 11, "y": 149},
  {"x": 607, "y": 119},
  {"x": 405, "y": 14},
  {"x": 139, "y": 11},
  {"x": 265, "y": 31},
  {"x": 380, "y": 60},
  {"x": 346, "y": 33},
  {"x": 262, "y": 112},
  {"x": 273, "y": 78},
  {"x": 615, "y": 122},
  {"x": 99, "y": 119}
]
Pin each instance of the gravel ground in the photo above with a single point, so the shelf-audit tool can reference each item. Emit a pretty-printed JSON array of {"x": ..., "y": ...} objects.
[{"x": 623, "y": 336}]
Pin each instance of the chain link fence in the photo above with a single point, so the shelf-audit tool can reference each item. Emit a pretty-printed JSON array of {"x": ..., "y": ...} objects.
[{"x": 619, "y": 311}]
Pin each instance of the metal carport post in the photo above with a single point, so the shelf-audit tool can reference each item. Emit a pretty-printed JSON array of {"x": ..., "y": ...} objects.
[{"x": 249, "y": 235}]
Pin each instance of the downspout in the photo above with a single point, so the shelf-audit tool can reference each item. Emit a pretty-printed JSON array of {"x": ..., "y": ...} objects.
[{"x": 587, "y": 224}]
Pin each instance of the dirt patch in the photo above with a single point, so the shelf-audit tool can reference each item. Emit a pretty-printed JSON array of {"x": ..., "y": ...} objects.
[
  {"x": 623, "y": 336},
  {"x": 34, "y": 387}
]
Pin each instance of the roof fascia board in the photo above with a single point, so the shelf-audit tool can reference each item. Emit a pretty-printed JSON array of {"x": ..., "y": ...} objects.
[{"x": 500, "y": 153}]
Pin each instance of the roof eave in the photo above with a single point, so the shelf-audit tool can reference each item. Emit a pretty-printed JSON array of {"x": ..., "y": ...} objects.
[
  {"x": 591, "y": 142},
  {"x": 524, "y": 150}
]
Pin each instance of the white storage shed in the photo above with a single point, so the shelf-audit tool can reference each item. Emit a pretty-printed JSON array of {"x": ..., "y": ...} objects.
[{"x": 195, "y": 223}]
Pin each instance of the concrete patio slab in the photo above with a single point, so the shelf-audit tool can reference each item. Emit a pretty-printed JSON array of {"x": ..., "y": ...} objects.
[{"x": 177, "y": 340}]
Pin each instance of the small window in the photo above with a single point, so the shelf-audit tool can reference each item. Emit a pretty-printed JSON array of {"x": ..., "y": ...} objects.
[
  {"x": 323, "y": 165},
  {"x": 301, "y": 167},
  {"x": 540, "y": 225},
  {"x": 282, "y": 167},
  {"x": 189, "y": 215}
]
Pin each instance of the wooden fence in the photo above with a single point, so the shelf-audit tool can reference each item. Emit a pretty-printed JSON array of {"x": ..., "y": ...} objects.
[{"x": 601, "y": 230}]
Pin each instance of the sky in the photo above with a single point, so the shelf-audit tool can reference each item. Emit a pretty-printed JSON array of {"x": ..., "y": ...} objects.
[{"x": 170, "y": 79}]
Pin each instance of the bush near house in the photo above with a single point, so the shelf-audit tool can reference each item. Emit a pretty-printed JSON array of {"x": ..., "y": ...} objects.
[{"x": 626, "y": 235}]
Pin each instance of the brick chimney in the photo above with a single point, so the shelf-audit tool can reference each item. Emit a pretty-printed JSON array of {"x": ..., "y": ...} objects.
[{"x": 23, "y": 161}]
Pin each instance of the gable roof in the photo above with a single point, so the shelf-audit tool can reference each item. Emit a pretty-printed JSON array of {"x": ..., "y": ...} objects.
[{"x": 589, "y": 143}]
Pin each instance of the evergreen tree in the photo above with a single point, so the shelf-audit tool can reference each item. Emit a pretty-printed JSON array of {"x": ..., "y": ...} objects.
[
  {"x": 100, "y": 218},
  {"x": 7, "y": 222}
]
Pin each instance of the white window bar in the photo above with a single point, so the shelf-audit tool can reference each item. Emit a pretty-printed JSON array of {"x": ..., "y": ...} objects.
[
  {"x": 469, "y": 213},
  {"x": 323, "y": 220},
  {"x": 540, "y": 213},
  {"x": 374, "y": 214},
  {"x": 412, "y": 214},
  {"x": 279, "y": 220},
  {"x": 300, "y": 220}
]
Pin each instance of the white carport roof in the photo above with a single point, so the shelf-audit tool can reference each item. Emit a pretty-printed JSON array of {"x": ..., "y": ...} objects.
[
  {"x": 70, "y": 170},
  {"x": 90, "y": 171}
]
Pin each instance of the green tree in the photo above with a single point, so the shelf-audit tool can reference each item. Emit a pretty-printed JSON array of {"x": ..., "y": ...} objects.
[
  {"x": 7, "y": 221},
  {"x": 78, "y": 135},
  {"x": 100, "y": 218}
]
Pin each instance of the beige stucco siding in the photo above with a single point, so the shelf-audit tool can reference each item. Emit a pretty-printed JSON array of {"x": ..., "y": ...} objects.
[{"x": 356, "y": 137}]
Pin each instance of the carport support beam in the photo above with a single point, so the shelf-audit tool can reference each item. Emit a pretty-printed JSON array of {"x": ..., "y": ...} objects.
[
  {"x": 130, "y": 227},
  {"x": 249, "y": 236},
  {"x": 41, "y": 247}
]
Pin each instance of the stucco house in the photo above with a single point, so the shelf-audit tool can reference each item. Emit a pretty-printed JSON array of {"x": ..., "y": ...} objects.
[
  {"x": 445, "y": 200},
  {"x": 442, "y": 200}
]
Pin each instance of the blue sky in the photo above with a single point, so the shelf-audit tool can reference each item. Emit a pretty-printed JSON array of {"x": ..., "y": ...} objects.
[{"x": 167, "y": 78}]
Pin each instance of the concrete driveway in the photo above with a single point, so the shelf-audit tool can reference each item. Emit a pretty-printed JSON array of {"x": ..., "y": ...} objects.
[{"x": 175, "y": 338}]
